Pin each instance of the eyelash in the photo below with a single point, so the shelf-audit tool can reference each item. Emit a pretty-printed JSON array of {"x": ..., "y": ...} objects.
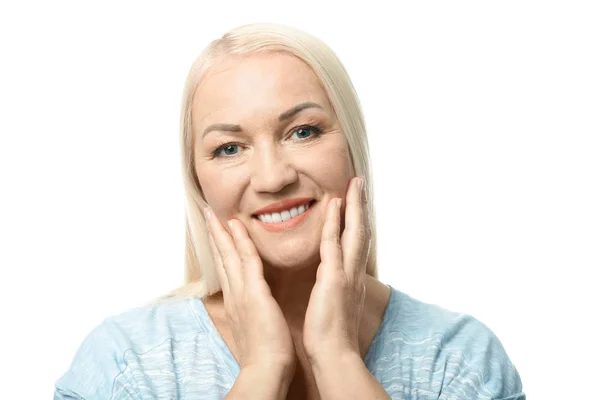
[{"x": 316, "y": 129}]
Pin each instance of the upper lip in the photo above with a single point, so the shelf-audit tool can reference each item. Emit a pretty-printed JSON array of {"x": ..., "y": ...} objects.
[{"x": 282, "y": 205}]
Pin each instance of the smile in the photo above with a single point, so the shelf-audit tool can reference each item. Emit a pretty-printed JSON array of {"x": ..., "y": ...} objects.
[{"x": 279, "y": 221}]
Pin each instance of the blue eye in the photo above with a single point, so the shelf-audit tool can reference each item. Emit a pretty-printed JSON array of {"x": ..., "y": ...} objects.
[
  {"x": 226, "y": 148},
  {"x": 307, "y": 128}
]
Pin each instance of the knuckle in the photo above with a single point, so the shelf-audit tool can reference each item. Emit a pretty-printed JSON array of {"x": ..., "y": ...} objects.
[
  {"x": 340, "y": 280},
  {"x": 229, "y": 306},
  {"x": 226, "y": 256},
  {"x": 368, "y": 247},
  {"x": 362, "y": 287},
  {"x": 363, "y": 199},
  {"x": 359, "y": 287},
  {"x": 364, "y": 234},
  {"x": 246, "y": 252},
  {"x": 332, "y": 243},
  {"x": 333, "y": 239},
  {"x": 249, "y": 296}
]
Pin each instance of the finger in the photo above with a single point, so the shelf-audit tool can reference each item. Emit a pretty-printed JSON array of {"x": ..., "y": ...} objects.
[
  {"x": 251, "y": 262},
  {"x": 226, "y": 250},
  {"x": 356, "y": 238},
  {"x": 331, "y": 249},
  {"x": 218, "y": 265}
]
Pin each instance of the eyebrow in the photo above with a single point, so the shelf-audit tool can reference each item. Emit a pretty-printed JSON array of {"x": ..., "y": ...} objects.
[{"x": 284, "y": 116}]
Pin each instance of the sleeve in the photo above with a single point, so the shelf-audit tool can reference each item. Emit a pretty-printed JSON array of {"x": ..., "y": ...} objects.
[
  {"x": 94, "y": 371},
  {"x": 483, "y": 371}
]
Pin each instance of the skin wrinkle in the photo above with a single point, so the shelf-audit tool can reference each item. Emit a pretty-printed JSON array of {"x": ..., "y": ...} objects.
[
  {"x": 272, "y": 165},
  {"x": 253, "y": 94},
  {"x": 236, "y": 128}
]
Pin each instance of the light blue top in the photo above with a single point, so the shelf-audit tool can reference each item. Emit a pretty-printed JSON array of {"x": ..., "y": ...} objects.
[{"x": 173, "y": 351}]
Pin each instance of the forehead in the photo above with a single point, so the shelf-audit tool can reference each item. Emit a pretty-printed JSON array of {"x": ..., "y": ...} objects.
[{"x": 257, "y": 86}]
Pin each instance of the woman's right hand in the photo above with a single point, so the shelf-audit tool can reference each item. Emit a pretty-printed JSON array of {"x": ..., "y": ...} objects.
[{"x": 259, "y": 329}]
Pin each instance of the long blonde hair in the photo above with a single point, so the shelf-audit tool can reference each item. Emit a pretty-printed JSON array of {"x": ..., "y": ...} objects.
[{"x": 200, "y": 275}]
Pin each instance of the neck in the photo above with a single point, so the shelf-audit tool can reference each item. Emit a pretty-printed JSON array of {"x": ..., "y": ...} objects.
[{"x": 291, "y": 288}]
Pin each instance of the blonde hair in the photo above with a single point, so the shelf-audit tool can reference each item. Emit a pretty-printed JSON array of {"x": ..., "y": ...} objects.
[{"x": 200, "y": 275}]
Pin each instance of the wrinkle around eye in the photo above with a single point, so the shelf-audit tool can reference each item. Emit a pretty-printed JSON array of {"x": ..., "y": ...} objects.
[
  {"x": 213, "y": 148},
  {"x": 219, "y": 149}
]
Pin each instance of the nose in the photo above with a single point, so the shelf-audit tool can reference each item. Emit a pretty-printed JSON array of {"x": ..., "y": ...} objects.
[{"x": 271, "y": 170}]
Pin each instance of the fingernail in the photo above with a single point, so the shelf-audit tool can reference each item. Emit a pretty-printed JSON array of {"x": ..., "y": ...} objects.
[
  {"x": 230, "y": 224},
  {"x": 361, "y": 184},
  {"x": 338, "y": 202},
  {"x": 207, "y": 212}
]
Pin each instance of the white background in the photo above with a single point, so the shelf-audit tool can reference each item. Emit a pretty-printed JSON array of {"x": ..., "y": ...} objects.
[{"x": 484, "y": 124}]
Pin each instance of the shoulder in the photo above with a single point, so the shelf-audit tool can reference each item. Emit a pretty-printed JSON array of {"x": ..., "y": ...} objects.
[
  {"x": 446, "y": 353},
  {"x": 112, "y": 351}
]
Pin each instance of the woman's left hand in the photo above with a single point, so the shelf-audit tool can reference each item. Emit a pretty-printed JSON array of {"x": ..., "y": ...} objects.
[{"x": 332, "y": 320}]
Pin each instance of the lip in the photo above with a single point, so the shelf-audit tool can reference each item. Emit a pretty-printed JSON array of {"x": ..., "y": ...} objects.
[
  {"x": 282, "y": 205},
  {"x": 289, "y": 224}
]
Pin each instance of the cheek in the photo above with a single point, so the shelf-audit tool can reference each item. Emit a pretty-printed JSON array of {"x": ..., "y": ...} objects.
[
  {"x": 221, "y": 197},
  {"x": 331, "y": 167}
]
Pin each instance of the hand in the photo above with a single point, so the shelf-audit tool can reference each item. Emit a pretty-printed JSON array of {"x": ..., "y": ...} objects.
[
  {"x": 259, "y": 329},
  {"x": 334, "y": 311}
]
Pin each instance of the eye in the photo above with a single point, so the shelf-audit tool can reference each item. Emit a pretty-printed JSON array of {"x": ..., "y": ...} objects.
[
  {"x": 305, "y": 130},
  {"x": 227, "y": 149}
]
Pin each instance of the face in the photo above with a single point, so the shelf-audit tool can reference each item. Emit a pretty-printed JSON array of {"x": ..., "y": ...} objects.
[{"x": 273, "y": 154}]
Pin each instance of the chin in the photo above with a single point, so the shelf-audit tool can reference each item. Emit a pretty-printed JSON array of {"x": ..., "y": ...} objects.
[{"x": 293, "y": 258}]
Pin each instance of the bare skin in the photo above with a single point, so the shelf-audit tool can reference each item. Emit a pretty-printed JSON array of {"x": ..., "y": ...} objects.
[
  {"x": 303, "y": 385},
  {"x": 265, "y": 162}
]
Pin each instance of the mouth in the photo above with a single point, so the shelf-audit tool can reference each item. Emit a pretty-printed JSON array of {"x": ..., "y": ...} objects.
[{"x": 284, "y": 220}]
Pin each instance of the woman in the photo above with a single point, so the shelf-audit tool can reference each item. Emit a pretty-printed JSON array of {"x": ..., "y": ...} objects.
[{"x": 282, "y": 298}]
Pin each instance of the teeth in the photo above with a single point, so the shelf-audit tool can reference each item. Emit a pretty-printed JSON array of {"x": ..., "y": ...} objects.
[{"x": 284, "y": 215}]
